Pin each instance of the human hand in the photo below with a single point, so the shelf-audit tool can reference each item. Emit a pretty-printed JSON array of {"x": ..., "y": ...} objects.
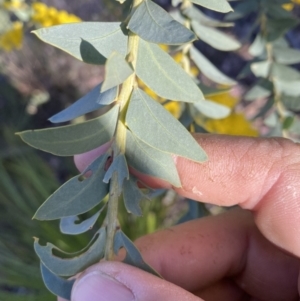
[{"x": 245, "y": 254}]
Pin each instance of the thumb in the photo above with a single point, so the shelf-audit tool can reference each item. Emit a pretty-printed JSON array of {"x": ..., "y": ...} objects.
[{"x": 115, "y": 281}]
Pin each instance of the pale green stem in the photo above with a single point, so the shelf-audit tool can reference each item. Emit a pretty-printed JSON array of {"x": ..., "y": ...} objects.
[
  {"x": 281, "y": 111},
  {"x": 186, "y": 64},
  {"x": 269, "y": 52},
  {"x": 119, "y": 144},
  {"x": 277, "y": 96},
  {"x": 112, "y": 217},
  {"x": 185, "y": 4},
  {"x": 133, "y": 42},
  {"x": 185, "y": 61}
]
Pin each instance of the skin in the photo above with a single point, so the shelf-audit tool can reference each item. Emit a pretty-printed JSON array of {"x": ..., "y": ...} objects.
[{"x": 248, "y": 253}]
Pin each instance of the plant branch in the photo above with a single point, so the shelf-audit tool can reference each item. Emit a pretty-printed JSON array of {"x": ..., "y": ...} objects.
[
  {"x": 112, "y": 217},
  {"x": 277, "y": 96},
  {"x": 119, "y": 142},
  {"x": 133, "y": 41}
]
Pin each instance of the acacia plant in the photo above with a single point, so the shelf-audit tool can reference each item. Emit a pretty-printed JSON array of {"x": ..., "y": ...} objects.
[
  {"x": 134, "y": 130},
  {"x": 276, "y": 80}
]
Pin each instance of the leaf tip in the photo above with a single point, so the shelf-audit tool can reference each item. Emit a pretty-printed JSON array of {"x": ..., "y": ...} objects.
[
  {"x": 52, "y": 119},
  {"x": 230, "y": 9},
  {"x": 177, "y": 184},
  {"x": 34, "y": 32},
  {"x": 38, "y": 216}
]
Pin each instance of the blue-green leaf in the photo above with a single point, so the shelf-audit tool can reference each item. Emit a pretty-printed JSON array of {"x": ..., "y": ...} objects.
[
  {"x": 117, "y": 71},
  {"x": 57, "y": 285},
  {"x": 295, "y": 128},
  {"x": 74, "y": 139},
  {"x": 212, "y": 109},
  {"x": 132, "y": 196},
  {"x": 284, "y": 73},
  {"x": 288, "y": 122},
  {"x": 69, "y": 225},
  {"x": 217, "y": 5},
  {"x": 119, "y": 165},
  {"x": 257, "y": 91},
  {"x": 209, "y": 91},
  {"x": 90, "y": 102},
  {"x": 242, "y": 9},
  {"x": 164, "y": 76},
  {"x": 91, "y": 42},
  {"x": 265, "y": 108},
  {"x": 133, "y": 256},
  {"x": 272, "y": 120},
  {"x": 261, "y": 69},
  {"x": 195, "y": 14},
  {"x": 208, "y": 69},
  {"x": 291, "y": 102},
  {"x": 215, "y": 38},
  {"x": 146, "y": 118},
  {"x": 78, "y": 195},
  {"x": 281, "y": 43},
  {"x": 277, "y": 27},
  {"x": 150, "y": 161},
  {"x": 154, "y": 24},
  {"x": 286, "y": 55},
  {"x": 291, "y": 88},
  {"x": 258, "y": 47},
  {"x": 69, "y": 267}
]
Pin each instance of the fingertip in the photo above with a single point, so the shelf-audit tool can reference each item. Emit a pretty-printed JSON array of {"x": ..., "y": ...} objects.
[
  {"x": 258, "y": 174},
  {"x": 83, "y": 160},
  {"x": 116, "y": 281},
  {"x": 99, "y": 286},
  {"x": 149, "y": 181}
]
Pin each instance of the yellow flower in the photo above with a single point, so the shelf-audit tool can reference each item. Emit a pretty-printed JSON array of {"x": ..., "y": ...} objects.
[
  {"x": 150, "y": 92},
  {"x": 234, "y": 124},
  {"x": 178, "y": 57},
  {"x": 48, "y": 16},
  {"x": 290, "y": 6},
  {"x": 52, "y": 12},
  {"x": 13, "y": 4},
  {"x": 40, "y": 14},
  {"x": 174, "y": 107},
  {"x": 64, "y": 17},
  {"x": 164, "y": 47},
  {"x": 12, "y": 39},
  {"x": 40, "y": 8},
  {"x": 223, "y": 98},
  {"x": 194, "y": 71}
]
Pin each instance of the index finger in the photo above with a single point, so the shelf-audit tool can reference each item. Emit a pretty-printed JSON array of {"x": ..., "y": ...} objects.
[{"x": 259, "y": 174}]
